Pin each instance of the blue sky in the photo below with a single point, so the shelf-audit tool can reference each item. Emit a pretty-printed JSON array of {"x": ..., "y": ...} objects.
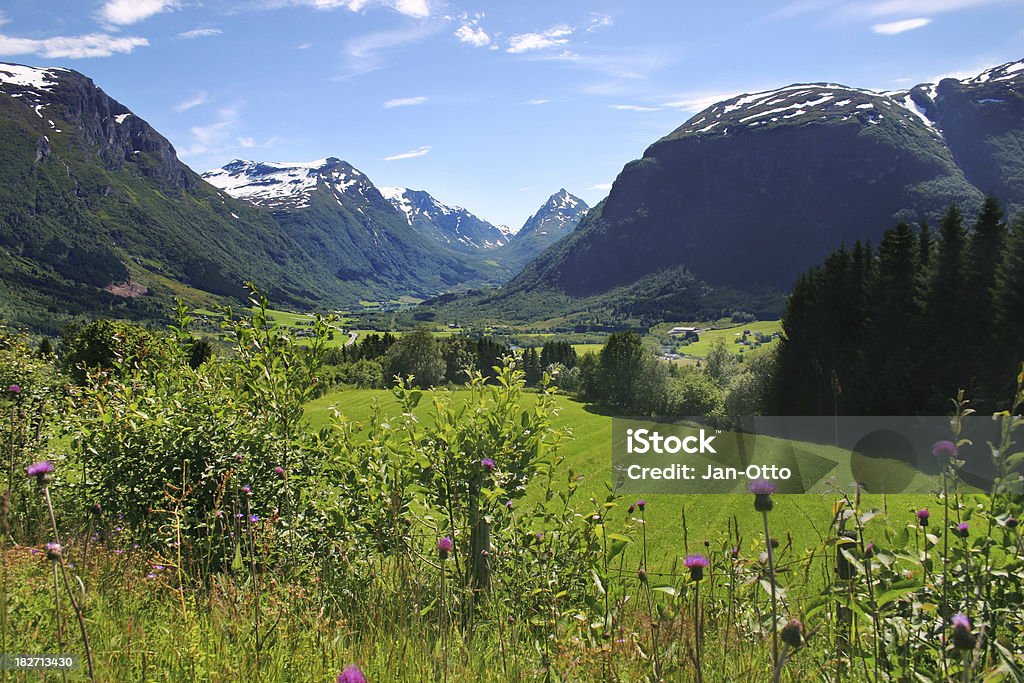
[{"x": 489, "y": 105}]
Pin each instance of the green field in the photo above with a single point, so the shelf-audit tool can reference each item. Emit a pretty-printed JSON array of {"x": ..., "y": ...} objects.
[
  {"x": 708, "y": 337},
  {"x": 806, "y": 517}
]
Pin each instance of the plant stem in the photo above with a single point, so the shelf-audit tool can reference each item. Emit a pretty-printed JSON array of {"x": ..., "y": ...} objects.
[{"x": 771, "y": 579}]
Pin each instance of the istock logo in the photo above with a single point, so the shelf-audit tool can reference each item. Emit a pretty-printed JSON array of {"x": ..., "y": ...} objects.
[{"x": 640, "y": 441}]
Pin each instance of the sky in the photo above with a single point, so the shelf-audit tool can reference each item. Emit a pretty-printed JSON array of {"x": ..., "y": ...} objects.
[{"x": 489, "y": 105}]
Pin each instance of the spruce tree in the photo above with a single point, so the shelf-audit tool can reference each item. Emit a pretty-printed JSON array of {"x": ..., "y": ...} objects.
[
  {"x": 944, "y": 364},
  {"x": 1008, "y": 304},
  {"x": 986, "y": 248}
]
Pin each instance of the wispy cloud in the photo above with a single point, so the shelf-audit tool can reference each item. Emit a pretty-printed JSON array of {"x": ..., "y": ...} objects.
[
  {"x": 213, "y": 137},
  {"x": 200, "y": 33},
  {"x": 635, "y": 107},
  {"x": 419, "y": 9},
  {"x": 125, "y": 12},
  {"x": 894, "y": 27},
  {"x": 418, "y": 152},
  {"x": 538, "y": 101},
  {"x": 604, "y": 187},
  {"x": 71, "y": 47},
  {"x": 366, "y": 53},
  {"x": 196, "y": 100},
  {"x": 598, "y": 22},
  {"x": 698, "y": 101},
  {"x": 473, "y": 35},
  {"x": 553, "y": 37},
  {"x": 404, "y": 102},
  {"x": 889, "y": 7}
]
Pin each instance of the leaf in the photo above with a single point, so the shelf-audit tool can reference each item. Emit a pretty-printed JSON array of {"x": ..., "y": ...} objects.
[
  {"x": 895, "y": 594},
  {"x": 236, "y": 563},
  {"x": 668, "y": 590}
]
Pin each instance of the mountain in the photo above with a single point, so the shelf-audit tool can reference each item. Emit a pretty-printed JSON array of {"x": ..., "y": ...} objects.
[
  {"x": 558, "y": 217},
  {"x": 723, "y": 213},
  {"x": 334, "y": 211},
  {"x": 452, "y": 226},
  {"x": 98, "y": 214}
]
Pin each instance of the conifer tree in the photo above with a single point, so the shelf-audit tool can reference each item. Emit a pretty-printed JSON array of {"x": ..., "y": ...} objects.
[{"x": 1008, "y": 305}]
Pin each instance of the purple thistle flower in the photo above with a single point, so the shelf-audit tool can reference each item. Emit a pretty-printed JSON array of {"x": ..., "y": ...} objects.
[
  {"x": 922, "y": 516},
  {"x": 963, "y": 639},
  {"x": 629, "y": 510},
  {"x": 539, "y": 536},
  {"x": 944, "y": 449},
  {"x": 351, "y": 674},
  {"x": 247, "y": 490},
  {"x": 444, "y": 547},
  {"x": 641, "y": 504},
  {"x": 869, "y": 550},
  {"x": 279, "y": 471},
  {"x": 508, "y": 505},
  {"x": 487, "y": 464},
  {"x": 42, "y": 471},
  {"x": 53, "y": 552},
  {"x": 96, "y": 509},
  {"x": 14, "y": 389},
  {"x": 254, "y": 518},
  {"x": 963, "y": 529},
  {"x": 792, "y": 634},
  {"x": 696, "y": 564},
  {"x": 762, "y": 490}
]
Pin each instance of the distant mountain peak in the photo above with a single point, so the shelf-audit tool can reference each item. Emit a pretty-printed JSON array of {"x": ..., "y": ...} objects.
[
  {"x": 286, "y": 184},
  {"x": 452, "y": 226}
]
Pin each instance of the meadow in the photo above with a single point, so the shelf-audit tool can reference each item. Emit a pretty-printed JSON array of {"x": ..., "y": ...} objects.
[{"x": 230, "y": 521}]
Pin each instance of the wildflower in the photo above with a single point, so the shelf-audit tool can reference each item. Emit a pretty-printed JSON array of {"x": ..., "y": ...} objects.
[
  {"x": 792, "y": 634},
  {"x": 96, "y": 509},
  {"x": 351, "y": 674},
  {"x": 14, "y": 389},
  {"x": 42, "y": 471},
  {"x": 762, "y": 490},
  {"x": 219, "y": 514},
  {"x": 508, "y": 505},
  {"x": 539, "y": 536},
  {"x": 734, "y": 553},
  {"x": 944, "y": 449},
  {"x": 254, "y": 518},
  {"x": 279, "y": 471},
  {"x": 487, "y": 464},
  {"x": 444, "y": 547},
  {"x": 963, "y": 529},
  {"x": 247, "y": 490},
  {"x": 53, "y": 552},
  {"x": 696, "y": 564},
  {"x": 1012, "y": 522},
  {"x": 922, "y": 516},
  {"x": 963, "y": 639},
  {"x": 869, "y": 550},
  {"x": 631, "y": 508},
  {"x": 641, "y": 504},
  {"x": 642, "y": 575}
]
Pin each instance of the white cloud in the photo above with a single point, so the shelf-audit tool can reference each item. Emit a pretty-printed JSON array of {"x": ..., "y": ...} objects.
[
  {"x": 247, "y": 143},
  {"x": 404, "y": 102},
  {"x": 599, "y": 21},
  {"x": 213, "y": 137},
  {"x": 196, "y": 100},
  {"x": 537, "y": 101},
  {"x": 474, "y": 36},
  {"x": 894, "y": 27},
  {"x": 634, "y": 107},
  {"x": 419, "y": 9},
  {"x": 604, "y": 187},
  {"x": 365, "y": 53},
  {"x": 553, "y": 37},
  {"x": 699, "y": 101},
  {"x": 200, "y": 33},
  {"x": 418, "y": 152},
  {"x": 888, "y": 7},
  {"x": 71, "y": 47},
  {"x": 125, "y": 12}
]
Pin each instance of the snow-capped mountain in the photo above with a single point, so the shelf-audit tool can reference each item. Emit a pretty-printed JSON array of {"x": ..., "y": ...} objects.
[
  {"x": 452, "y": 226},
  {"x": 555, "y": 219},
  {"x": 724, "y": 213},
  {"x": 285, "y": 185}
]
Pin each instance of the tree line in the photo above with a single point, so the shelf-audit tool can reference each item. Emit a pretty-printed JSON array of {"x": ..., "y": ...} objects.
[{"x": 901, "y": 328}]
